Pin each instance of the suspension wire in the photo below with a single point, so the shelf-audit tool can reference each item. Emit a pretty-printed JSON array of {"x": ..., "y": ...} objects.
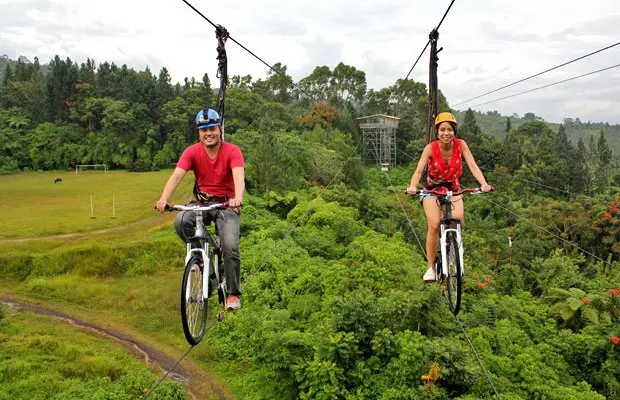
[
  {"x": 546, "y": 86},
  {"x": 473, "y": 350},
  {"x": 406, "y": 216},
  {"x": 546, "y": 231},
  {"x": 429, "y": 41},
  {"x": 444, "y": 15},
  {"x": 249, "y": 279},
  {"x": 471, "y": 346},
  {"x": 416, "y": 61},
  {"x": 330, "y": 183},
  {"x": 410, "y": 157},
  {"x": 288, "y": 79},
  {"x": 168, "y": 373},
  {"x": 222, "y": 34},
  {"x": 540, "y": 73},
  {"x": 207, "y": 329}
]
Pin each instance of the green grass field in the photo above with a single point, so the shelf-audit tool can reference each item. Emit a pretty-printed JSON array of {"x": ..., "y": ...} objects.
[
  {"x": 33, "y": 206},
  {"x": 45, "y": 358},
  {"x": 127, "y": 279}
]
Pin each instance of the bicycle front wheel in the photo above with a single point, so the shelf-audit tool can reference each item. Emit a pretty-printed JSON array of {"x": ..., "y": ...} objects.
[
  {"x": 453, "y": 269},
  {"x": 194, "y": 304}
]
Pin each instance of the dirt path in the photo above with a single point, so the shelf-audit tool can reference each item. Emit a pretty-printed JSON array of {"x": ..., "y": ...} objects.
[
  {"x": 198, "y": 382},
  {"x": 144, "y": 223}
]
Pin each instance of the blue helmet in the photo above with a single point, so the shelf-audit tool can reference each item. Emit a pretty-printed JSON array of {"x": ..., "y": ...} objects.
[{"x": 207, "y": 118}]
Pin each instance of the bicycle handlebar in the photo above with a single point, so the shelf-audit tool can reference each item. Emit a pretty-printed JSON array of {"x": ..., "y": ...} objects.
[
  {"x": 439, "y": 192},
  {"x": 195, "y": 207}
]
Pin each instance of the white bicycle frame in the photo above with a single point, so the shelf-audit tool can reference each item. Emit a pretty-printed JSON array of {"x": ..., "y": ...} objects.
[
  {"x": 443, "y": 242},
  {"x": 204, "y": 252},
  {"x": 444, "y": 254}
]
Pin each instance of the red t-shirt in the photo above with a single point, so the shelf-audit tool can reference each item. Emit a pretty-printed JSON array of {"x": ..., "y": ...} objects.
[
  {"x": 441, "y": 173},
  {"x": 214, "y": 175}
]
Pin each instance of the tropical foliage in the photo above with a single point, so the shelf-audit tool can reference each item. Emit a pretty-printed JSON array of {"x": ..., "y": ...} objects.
[{"x": 333, "y": 304}]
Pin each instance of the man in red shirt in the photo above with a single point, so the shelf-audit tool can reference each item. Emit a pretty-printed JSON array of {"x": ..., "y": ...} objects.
[{"x": 219, "y": 172}]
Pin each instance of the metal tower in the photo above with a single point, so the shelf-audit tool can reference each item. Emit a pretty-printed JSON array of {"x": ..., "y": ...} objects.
[{"x": 379, "y": 139}]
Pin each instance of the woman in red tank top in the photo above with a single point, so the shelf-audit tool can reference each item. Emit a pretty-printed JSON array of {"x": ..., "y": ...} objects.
[{"x": 444, "y": 159}]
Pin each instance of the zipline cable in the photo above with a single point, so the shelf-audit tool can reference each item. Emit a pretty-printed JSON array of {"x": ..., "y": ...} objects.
[
  {"x": 473, "y": 349},
  {"x": 288, "y": 79},
  {"x": 406, "y": 216},
  {"x": 176, "y": 364},
  {"x": 546, "y": 86},
  {"x": 538, "y": 74},
  {"x": 444, "y": 16},
  {"x": 416, "y": 61},
  {"x": 219, "y": 29},
  {"x": 168, "y": 373},
  {"x": 428, "y": 42}
]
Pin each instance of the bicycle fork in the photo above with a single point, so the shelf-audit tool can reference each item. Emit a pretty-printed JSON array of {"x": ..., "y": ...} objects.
[
  {"x": 205, "y": 269},
  {"x": 442, "y": 245}
]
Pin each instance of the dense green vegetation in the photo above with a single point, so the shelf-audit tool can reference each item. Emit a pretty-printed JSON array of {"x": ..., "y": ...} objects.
[
  {"x": 338, "y": 309},
  {"x": 64, "y": 114},
  {"x": 334, "y": 306}
]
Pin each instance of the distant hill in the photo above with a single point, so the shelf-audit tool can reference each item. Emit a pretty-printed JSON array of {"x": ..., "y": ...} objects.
[{"x": 494, "y": 124}]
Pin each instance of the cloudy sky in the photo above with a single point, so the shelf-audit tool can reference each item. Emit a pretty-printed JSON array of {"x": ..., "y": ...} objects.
[{"x": 487, "y": 43}]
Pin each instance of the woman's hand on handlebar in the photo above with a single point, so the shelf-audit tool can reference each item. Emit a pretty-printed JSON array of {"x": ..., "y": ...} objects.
[
  {"x": 486, "y": 187},
  {"x": 411, "y": 190}
]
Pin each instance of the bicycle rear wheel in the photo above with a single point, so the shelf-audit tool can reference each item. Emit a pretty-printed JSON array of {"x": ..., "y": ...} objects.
[
  {"x": 453, "y": 269},
  {"x": 194, "y": 305}
]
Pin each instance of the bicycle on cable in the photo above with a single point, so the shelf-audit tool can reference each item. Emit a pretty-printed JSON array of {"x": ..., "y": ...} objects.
[
  {"x": 204, "y": 270},
  {"x": 449, "y": 266}
]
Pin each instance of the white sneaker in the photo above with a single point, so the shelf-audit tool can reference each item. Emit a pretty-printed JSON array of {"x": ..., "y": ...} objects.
[{"x": 430, "y": 276}]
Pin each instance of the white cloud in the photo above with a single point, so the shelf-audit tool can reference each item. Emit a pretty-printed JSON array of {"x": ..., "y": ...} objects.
[{"x": 486, "y": 43}]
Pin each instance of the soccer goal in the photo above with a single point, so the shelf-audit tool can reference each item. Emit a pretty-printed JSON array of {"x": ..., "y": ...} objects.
[{"x": 91, "y": 167}]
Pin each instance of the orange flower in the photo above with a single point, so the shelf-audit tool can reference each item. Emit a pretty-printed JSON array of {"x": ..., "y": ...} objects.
[
  {"x": 480, "y": 284},
  {"x": 433, "y": 373},
  {"x": 488, "y": 280},
  {"x": 614, "y": 292},
  {"x": 475, "y": 272},
  {"x": 614, "y": 340},
  {"x": 585, "y": 300}
]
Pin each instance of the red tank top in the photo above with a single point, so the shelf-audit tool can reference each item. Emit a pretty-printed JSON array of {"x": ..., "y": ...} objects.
[{"x": 441, "y": 173}]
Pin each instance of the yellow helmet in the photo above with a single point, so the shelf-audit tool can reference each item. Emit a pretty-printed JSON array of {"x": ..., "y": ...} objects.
[{"x": 445, "y": 117}]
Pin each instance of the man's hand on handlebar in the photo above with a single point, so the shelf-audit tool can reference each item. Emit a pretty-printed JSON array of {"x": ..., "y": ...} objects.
[
  {"x": 160, "y": 206},
  {"x": 486, "y": 188},
  {"x": 234, "y": 203},
  {"x": 411, "y": 190}
]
